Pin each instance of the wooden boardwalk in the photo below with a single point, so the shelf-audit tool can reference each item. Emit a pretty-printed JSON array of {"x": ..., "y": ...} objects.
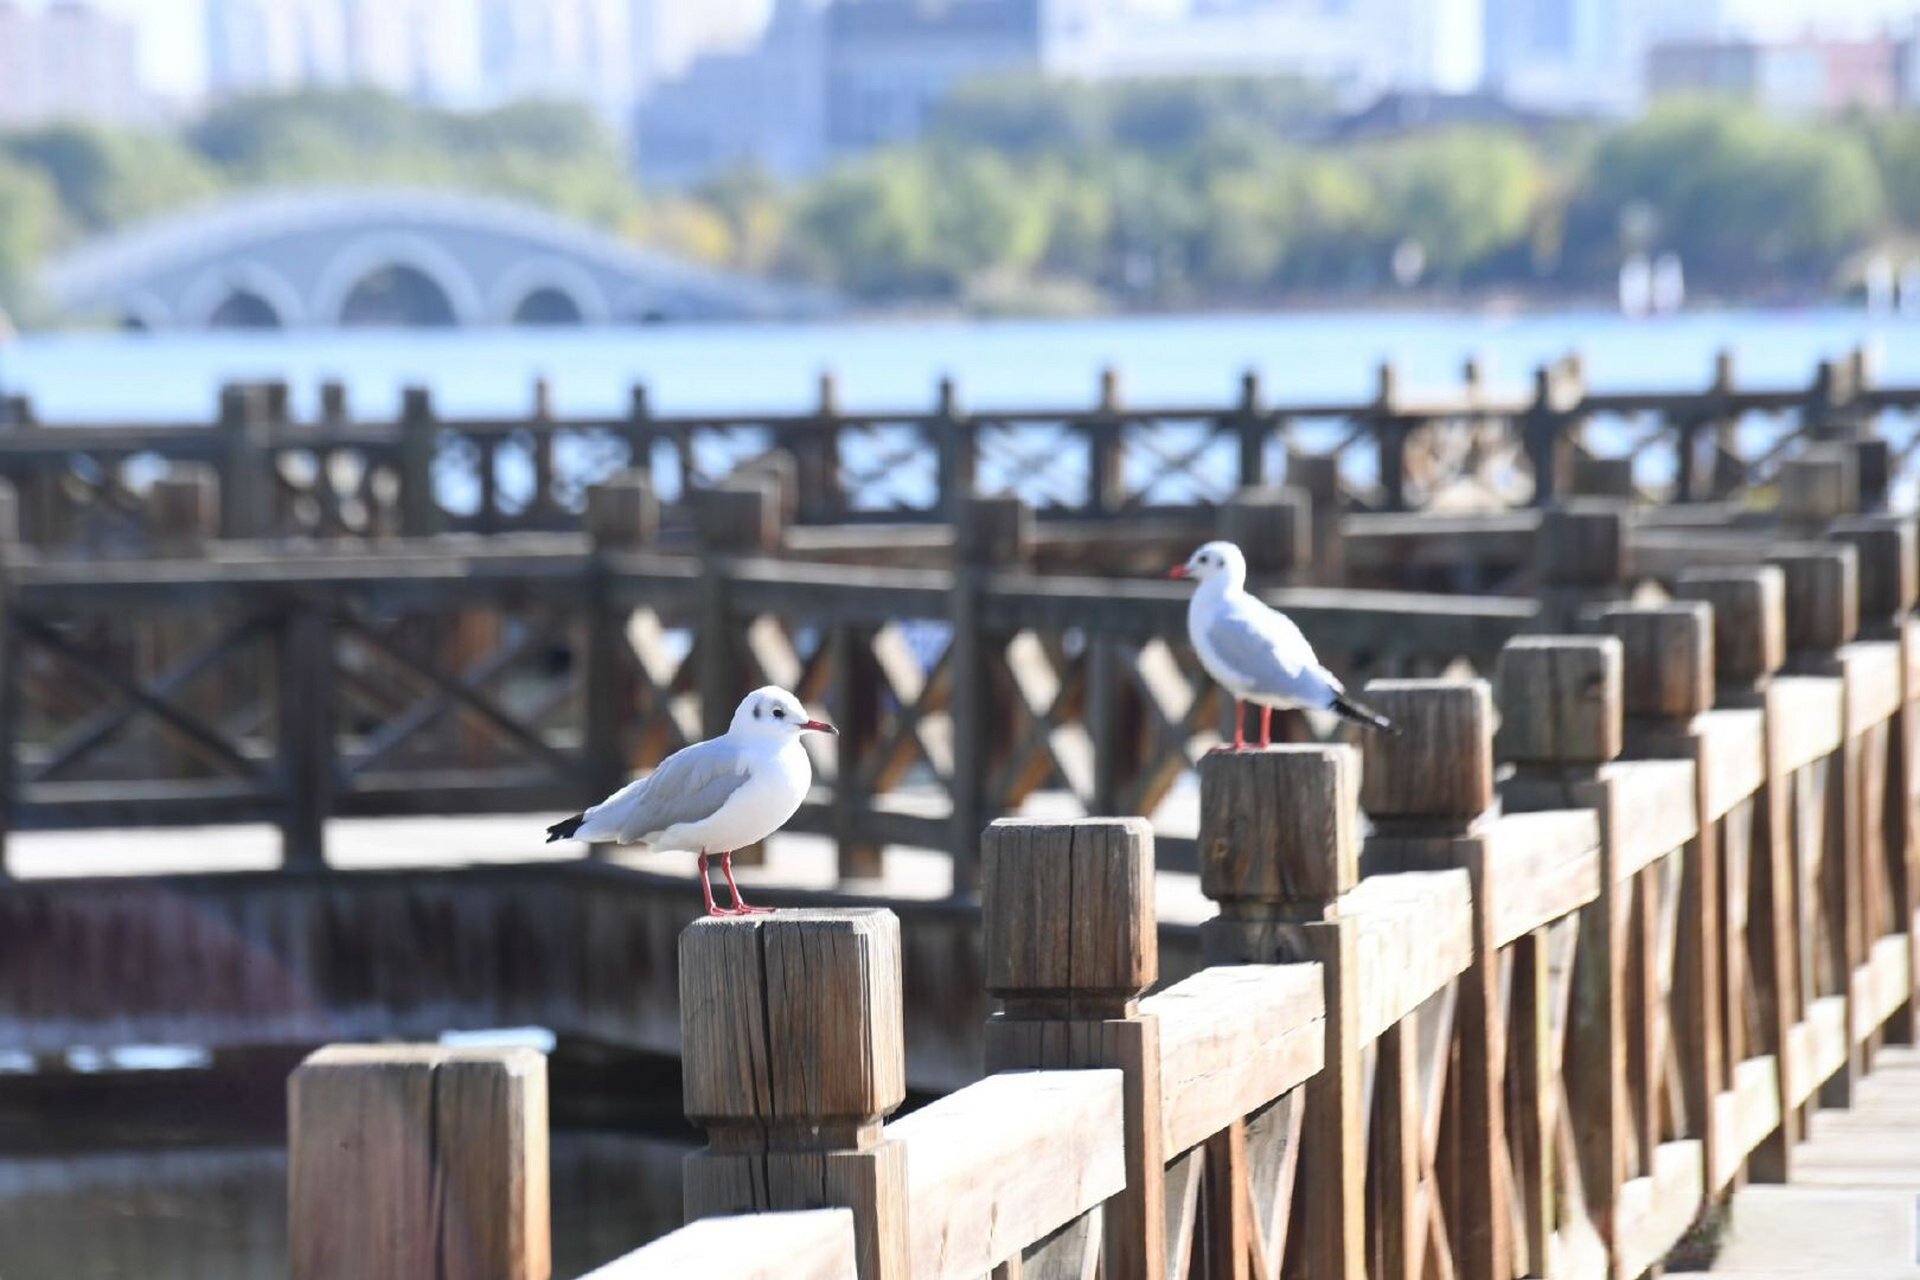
[{"x": 1849, "y": 1211}]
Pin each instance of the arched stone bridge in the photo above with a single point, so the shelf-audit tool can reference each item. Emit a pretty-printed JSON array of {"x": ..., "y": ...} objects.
[{"x": 392, "y": 256}]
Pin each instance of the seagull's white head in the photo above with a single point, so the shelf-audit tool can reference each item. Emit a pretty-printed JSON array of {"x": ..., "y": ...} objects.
[
  {"x": 1214, "y": 560},
  {"x": 774, "y": 714}
]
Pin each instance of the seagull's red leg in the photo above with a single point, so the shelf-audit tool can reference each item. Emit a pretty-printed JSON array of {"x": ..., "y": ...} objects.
[
  {"x": 1266, "y": 726},
  {"x": 1239, "y": 716},
  {"x": 739, "y": 908},
  {"x": 706, "y": 888}
]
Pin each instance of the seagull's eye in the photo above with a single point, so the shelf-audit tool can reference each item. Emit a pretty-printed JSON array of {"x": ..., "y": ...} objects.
[{"x": 779, "y": 714}]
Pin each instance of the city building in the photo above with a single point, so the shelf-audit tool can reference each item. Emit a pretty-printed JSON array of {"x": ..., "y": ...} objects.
[
  {"x": 67, "y": 61},
  {"x": 1806, "y": 76},
  {"x": 1568, "y": 55}
]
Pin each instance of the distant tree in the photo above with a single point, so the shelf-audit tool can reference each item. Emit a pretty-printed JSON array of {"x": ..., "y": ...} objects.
[
  {"x": 1460, "y": 195},
  {"x": 1896, "y": 149},
  {"x": 867, "y": 226},
  {"x": 29, "y": 209},
  {"x": 106, "y": 177}
]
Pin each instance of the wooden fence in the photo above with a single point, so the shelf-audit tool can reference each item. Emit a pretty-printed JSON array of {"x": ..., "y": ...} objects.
[
  {"x": 1532, "y": 1019},
  {"x": 1474, "y": 446}
]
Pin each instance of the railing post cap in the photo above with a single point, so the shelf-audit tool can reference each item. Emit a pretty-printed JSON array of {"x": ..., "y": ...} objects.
[
  {"x": 1280, "y": 825},
  {"x": 1068, "y": 908},
  {"x": 1666, "y": 655},
  {"x": 622, "y": 511},
  {"x": 1749, "y": 617},
  {"x": 790, "y": 1017},
  {"x": 1889, "y": 552},
  {"x": 994, "y": 530},
  {"x": 1560, "y": 699},
  {"x": 1584, "y": 542},
  {"x": 741, "y": 515},
  {"x": 1822, "y": 594},
  {"x": 1440, "y": 763},
  {"x": 1272, "y": 524}
]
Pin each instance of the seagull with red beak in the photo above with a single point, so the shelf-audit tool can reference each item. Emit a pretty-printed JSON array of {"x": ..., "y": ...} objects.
[
  {"x": 1256, "y": 652},
  {"x": 714, "y": 796}
]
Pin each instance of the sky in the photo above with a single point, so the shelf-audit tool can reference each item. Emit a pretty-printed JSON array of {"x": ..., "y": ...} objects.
[{"x": 172, "y": 31}]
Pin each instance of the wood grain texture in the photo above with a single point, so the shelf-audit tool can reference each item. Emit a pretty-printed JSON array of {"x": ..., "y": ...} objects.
[
  {"x": 1232, "y": 1039},
  {"x": 1068, "y": 907},
  {"x": 1535, "y": 868},
  {"x": 1278, "y": 825},
  {"x": 792, "y": 1019},
  {"x": 1003, "y": 1164},
  {"x": 1666, "y": 658},
  {"x": 1583, "y": 542},
  {"x": 1822, "y": 595},
  {"x": 1441, "y": 763},
  {"x": 1749, "y": 618},
  {"x": 1889, "y": 554},
  {"x": 1413, "y": 935},
  {"x": 1873, "y": 670},
  {"x": 1650, "y": 811},
  {"x": 418, "y": 1163},
  {"x": 807, "y": 1244},
  {"x": 1561, "y": 699},
  {"x": 1733, "y": 759},
  {"x": 1811, "y": 714},
  {"x": 871, "y": 1181}
]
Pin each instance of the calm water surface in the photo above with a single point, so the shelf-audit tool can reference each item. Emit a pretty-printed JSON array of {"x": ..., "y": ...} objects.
[{"x": 895, "y": 364}]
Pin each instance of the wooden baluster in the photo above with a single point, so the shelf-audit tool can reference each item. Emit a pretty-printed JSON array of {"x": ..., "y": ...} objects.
[
  {"x": 1071, "y": 943},
  {"x": 1667, "y": 666},
  {"x": 306, "y": 705},
  {"x": 741, "y": 517},
  {"x": 246, "y": 464},
  {"x": 957, "y": 445},
  {"x": 1549, "y": 429},
  {"x": 419, "y": 442},
  {"x": 541, "y": 427},
  {"x": 1391, "y": 434},
  {"x": 622, "y": 515},
  {"x": 184, "y": 510},
  {"x": 1106, "y": 450},
  {"x": 334, "y": 413},
  {"x": 411, "y": 1161},
  {"x": 857, "y": 708},
  {"x": 1250, "y": 425},
  {"x": 1318, "y": 476},
  {"x": 792, "y": 1055},
  {"x": 1277, "y": 850},
  {"x": 1560, "y": 703},
  {"x": 638, "y": 432},
  {"x": 1889, "y": 589},
  {"x": 992, "y": 532},
  {"x": 1429, "y": 794}
]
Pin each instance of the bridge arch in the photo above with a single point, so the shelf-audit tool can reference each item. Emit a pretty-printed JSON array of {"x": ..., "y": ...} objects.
[
  {"x": 226, "y": 286},
  {"x": 364, "y": 259},
  {"x": 527, "y": 280}
]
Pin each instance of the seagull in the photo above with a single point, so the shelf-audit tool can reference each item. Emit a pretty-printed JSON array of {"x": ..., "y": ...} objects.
[
  {"x": 1255, "y": 652},
  {"x": 714, "y": 796}
]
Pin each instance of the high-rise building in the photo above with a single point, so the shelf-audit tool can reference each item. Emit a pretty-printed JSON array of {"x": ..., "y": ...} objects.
[
  {"x": 68, "y": 61},
  {"x": 1568, "y": 55}
]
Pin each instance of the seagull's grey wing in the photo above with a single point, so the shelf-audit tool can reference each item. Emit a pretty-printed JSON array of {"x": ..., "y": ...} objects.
[
  {"x": 1270, "y": 654},
  {"x": 691, "y": 784}
]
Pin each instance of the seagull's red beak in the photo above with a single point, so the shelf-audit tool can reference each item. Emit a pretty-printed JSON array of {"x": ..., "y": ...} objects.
[
  {"x": 819, "y": 726},
  {"x": 1178, "y": 571}
]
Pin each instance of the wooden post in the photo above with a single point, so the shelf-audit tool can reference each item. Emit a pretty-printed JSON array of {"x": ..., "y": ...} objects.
[
  {"x": 991, "y": 533},
  {"x": 406, "y": 1162},
  {"x": 1071, "y": 943},
  {"x": 306, "y": 682},
  {"x": 1667, "y": 666},
  {"x": 1822, "y": 484},
  {"x": 1106, "y": 451},
  {"x": 792, "y": 1055},
  {"x": 1547, "y": 431},
  {"x": 1318, "y": 477},
  {"x": 1560, "y": 700},
  {"x": 1251, "y": 425},
  {"x": 637, "y": 431},
  {"x": 1749, "y": 627},
  {"x": 333, "y": 404},
  {"x": 957, "y": 447},
  {"x": 184, "y": 509},
  {"x": 419, "y": 442},
  {"x": 622, "y": 515},
  {"x": 1888, "y": 554},
  {"x": 1391, "y": 434},
  {"x": 246, "y": 478},
  {"x": 1274, "y": 527},
  {"x": 1278, "y": 848},
  {"x": 1428, "y": 792},
  {"x": 1583, "y": 556},
  {"x": 740, "y": 517},
  {"x": 815, "y": 446}
]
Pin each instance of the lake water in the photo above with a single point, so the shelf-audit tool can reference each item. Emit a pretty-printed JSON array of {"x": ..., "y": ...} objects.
[{"x": 895, "y": 364}]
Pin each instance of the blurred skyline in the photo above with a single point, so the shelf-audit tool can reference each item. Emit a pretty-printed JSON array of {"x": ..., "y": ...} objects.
[{"x": 173, "y": 34}]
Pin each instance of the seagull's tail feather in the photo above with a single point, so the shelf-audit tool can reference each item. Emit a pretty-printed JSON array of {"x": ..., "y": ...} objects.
[
  {"x": 1362, "y": 714},
  {"x": 564, "y": 829}
]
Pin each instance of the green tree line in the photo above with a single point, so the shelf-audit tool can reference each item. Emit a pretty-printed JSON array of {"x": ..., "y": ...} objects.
[{"x": 1027, "y": 195}]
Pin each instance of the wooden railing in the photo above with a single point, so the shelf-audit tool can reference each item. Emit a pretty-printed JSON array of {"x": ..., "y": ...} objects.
[
  {"x": 1474, "y": 446},
  {"x": 1529, "y": 1025}
]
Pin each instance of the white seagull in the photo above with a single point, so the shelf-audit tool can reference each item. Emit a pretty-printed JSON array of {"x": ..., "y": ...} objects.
[
  {"x": 1256, "y": 653},
  {"x": 714, "y": 796}
]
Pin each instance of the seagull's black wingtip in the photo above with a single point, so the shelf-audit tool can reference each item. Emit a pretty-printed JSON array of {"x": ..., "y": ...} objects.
[
  {"x": 564, "y": 829},
  {"x": 1361, "y": 714}
]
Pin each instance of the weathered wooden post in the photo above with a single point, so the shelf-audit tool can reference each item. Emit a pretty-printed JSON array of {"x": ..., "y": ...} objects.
[
  {"x": 1106, "y": 450},
  {"x": 246, "y": 476},
  {"x": 1547, "y": 430},
  {"x": 957, "y": 446},
  {"x": 792, "y": 1055},
  {"x": 1252, "y": 427},
  {"x": 1820, "y": 485},
  {"x": 184, "y": 509},
  {"x": 622, "y": 515},
  {"x": 637, "y": 431},
  {"x": 1583, "y": 556},
  {"x": 1071, "y": 943},
  {"x": 1274, "y": 527},
  {"x": 815, "y": 445},
  {"x": 305, "y": 678},
  {"x": 1278, "y": 848},
  {"x": 1318, "y": 476},
  {"x": 991, "y": 533},
  {"x": 1667, "y": 669},
  {"x": 1429, "y": 794},
  {"x": 334, "y": 412},
  {"x": 1889, "y": 555},
  {"x": 1392, "y": 432},
  {"x": 411, "y": 1161},
  {"x": 1560, "y": 702},
  {"x": 419, "y": 443}
]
